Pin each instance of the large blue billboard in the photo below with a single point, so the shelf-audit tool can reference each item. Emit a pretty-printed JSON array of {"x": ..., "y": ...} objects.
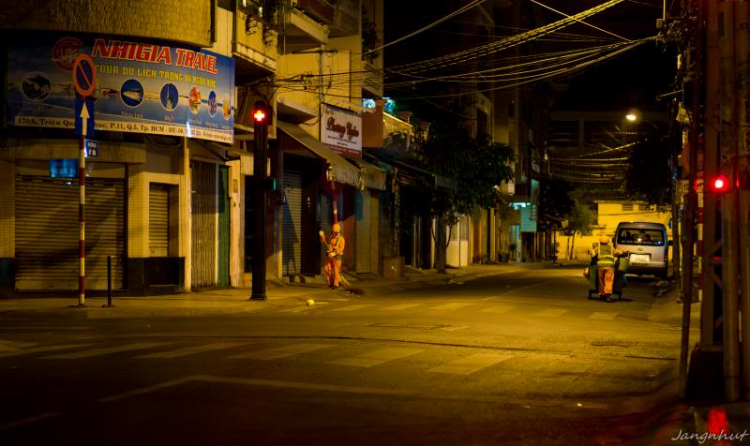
[{"x": 141, "y": 87}]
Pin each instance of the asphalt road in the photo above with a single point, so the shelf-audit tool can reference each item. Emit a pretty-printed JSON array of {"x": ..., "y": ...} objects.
[{"x": 521, "y": 359}]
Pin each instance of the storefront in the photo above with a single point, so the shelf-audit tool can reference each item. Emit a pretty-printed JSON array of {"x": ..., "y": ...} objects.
[
  {"x": 146, "y": 103},
  {"x": 315, "y": 179}
]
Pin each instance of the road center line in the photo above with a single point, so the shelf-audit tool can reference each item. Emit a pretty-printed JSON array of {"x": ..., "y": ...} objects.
[
  {"x": 14, "y": 424},
  {"x": 451, "y": 306},
  {"x": 51, "y": 348},
  {"x": 149, "y": 389},
  {"x": 282, "y": 352},
  {"x": 493, "y": 399},
  {"x": 193, "y": 350},
  {"x": 377, "y": 357},
  {"x": 107, "y": 351}
]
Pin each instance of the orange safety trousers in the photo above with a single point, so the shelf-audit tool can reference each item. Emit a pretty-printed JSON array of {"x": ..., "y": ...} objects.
[
  {"x": 333, "y": 271},
  {"x": 606, "y": 279}
]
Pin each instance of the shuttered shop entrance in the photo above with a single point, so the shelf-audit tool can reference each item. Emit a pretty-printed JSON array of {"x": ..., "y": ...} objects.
[
  {"x": 203, "y": 204},
  {"x": 362, "y": 211},
  {"x": 291, "y": 242},
  {"x": 47, "y": 256},
  {"x": 158, "y": 220}
]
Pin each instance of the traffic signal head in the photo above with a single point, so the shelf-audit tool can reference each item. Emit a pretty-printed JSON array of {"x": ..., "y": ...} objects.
[
  {"x": 262, "y": 113},
  {"x": 719, "y": 184},
  {"x": 270, "y": 184}
]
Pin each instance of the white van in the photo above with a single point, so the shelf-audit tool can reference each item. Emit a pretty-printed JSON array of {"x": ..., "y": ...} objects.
[{"x": 648, "y": 245}]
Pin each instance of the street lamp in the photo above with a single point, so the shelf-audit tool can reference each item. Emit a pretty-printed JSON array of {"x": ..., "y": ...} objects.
[{"x": 632, "y": 117}]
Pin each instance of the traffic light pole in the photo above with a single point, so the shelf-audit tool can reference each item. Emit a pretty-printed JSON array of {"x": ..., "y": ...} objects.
[
  {"x": 729, "y": 233},
  {"x": 260, "y": 158}
]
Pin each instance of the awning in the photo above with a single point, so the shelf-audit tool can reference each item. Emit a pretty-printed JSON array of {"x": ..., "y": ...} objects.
[
  {"x": 343, "y": 172},
  {"x": 372, "y": 175}
]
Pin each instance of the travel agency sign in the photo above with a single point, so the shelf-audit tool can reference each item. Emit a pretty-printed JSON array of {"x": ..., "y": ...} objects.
[{"x": 141, "y": 87}]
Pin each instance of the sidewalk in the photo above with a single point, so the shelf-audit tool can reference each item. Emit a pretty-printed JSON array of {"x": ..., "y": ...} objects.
[{"x": 236, "y": 300}]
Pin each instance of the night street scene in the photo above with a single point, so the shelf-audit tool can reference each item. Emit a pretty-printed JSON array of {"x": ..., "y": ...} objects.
[{"x": 375, "y": 222}]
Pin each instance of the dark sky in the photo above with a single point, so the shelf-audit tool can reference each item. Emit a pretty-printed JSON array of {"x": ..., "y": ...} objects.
[{"x": 632, "y": 79}]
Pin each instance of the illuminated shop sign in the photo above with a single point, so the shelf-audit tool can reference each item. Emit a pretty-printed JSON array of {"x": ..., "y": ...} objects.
[{"x": 141, "y": 87}]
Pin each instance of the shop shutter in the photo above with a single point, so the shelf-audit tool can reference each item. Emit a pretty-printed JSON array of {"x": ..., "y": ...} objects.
[
  {"x": 203, "y": 204},
  {"x": 47, "y": 256},
  {"x": 292, "y": 231},
  {"x": 362, "y": 212},
  {"x": 158, "y": 220}
]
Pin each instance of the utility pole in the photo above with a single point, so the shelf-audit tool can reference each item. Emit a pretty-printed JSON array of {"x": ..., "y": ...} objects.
[
  {"x": 729, "y": 232},
  {"x": 687, "y": 290},
  {"x": 262, "y": 115},
  {"x": 741, "y": 219}
]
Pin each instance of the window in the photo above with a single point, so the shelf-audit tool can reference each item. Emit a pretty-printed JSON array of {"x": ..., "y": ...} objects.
[{"x": 640, "y": 237}]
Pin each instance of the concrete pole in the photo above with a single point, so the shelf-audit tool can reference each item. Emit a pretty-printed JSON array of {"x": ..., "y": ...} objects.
[
  {"x": 728, "y": 141},
  {"x": 742, "y": 36}
]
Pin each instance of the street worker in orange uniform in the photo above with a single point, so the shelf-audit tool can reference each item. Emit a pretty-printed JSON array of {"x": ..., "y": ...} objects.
[
  {"x": 605, "y": 266},
  {"x": 335, "y": 249}
]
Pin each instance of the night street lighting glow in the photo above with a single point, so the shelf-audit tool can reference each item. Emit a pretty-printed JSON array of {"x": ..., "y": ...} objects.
[{"x": 631, "y": 117}]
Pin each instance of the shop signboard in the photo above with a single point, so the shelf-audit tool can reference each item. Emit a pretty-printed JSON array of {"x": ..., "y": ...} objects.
[
  {"x": 141, "y": 87},
  {"x": 342, "y": 131},
  {"x": 528, "y": 219}
]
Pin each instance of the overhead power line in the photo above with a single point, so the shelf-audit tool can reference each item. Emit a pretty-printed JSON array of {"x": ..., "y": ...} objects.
[
  {"x": 431, "y": 25},
  {"x": 579, "y": 21},
  {"x": 493, "y": 47}
]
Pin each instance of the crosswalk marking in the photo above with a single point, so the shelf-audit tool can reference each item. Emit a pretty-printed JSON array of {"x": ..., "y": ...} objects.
[
  {"x": 50, "y": 348},
  {"x": 551, "y": 312},
  {"x": 193, "y": 350},
  {"x": 603, "y": 315},
  {"x": 353, "y": 307},
  {"x": 470, "y": 364},
  {"x": 107, "y": 351},
  {"x": 376, "y": 357},
  {"x": 401, "y": 307},
  {"x": 498, "y": 309},
  {"x": 281, "y": 352},
  {"x": 452, "y": 306},
  {"x": 304, "y": 309}
]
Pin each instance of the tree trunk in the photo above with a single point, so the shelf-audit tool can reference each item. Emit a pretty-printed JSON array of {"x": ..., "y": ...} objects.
[
  {"x": 573, "y": 247},
  {"x": 441, "y": 247}
]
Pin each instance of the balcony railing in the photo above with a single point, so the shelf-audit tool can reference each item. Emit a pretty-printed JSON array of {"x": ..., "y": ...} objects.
[{"x": 320, "y": 10}]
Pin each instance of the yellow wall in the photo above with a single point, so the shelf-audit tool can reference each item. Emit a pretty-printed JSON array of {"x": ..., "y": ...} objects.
[{"x": 610, "y": 214}]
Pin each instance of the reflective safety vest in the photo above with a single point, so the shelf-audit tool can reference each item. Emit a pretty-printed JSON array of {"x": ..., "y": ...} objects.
[
  {"x": 336, "y": 244},
  {"x": 605, "y": 256}
]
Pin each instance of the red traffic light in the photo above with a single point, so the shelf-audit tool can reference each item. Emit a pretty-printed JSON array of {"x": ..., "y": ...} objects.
[
  {"x": 261, "y": 113},
  {"x": 720, "y": 184}
]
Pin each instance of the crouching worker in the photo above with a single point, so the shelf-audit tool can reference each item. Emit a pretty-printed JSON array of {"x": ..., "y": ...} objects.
[
  {"x": 335, "y": 252},
  {"x": 605, "y": 266}
]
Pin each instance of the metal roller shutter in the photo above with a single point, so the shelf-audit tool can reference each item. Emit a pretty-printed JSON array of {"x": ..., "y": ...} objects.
[
  {"x": 158, "y": 220},
  {"x": 47, "y": 233},
  {"x": 203, "y": 201},
  {"x": 362, "y": 211},
  {"x": 291, "y": 242}
]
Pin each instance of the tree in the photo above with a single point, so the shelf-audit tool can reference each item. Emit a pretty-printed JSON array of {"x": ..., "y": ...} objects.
[
  {"x": 555, "y": 201},
  {"x": 476, "y": 165},
  {"x": 579, "y": 221}
]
